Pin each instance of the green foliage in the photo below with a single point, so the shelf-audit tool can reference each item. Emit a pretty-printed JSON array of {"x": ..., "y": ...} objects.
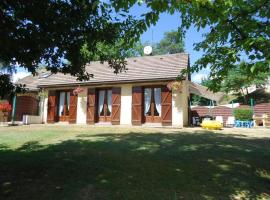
[
  {"x": 65, "y": 35},
  {"x": 237, "y": 28},
  {"x": 238, "y": 80},
  {"x": 171, "y": 43},
  {"x": 243, "y": 114},
  {"x": 7, "y": 87},
  {"x": 199, "y": 101}
]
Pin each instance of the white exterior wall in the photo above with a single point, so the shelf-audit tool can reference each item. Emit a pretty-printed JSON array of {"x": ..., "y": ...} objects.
[
  {"x": 45, "y": 106},
  {"x": 180, "y": 106},
  {"x": 126, "y": 103},
  {"x": 82, "y": 107}
]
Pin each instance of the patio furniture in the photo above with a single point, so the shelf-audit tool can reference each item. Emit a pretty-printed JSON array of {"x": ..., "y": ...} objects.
[
  {"x": 211, "y": 125},
  {"x": 195, "y": 121},
  {"x": 219, "y": 119},
  {"x": 243, "y": 124},
  {"x": 264, "y": 120},
  {"x": 230, "y": 121}
]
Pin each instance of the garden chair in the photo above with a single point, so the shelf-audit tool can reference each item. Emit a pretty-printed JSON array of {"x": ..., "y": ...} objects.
[
  {"x": 231, "y": 121},
  {"x": 266, "y": 120},
  {"x": 219, "y": 119}
]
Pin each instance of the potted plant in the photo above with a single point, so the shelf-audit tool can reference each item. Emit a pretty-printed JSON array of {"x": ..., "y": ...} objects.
[
  {"x": 175, "y": 85},
  {"x": 5, "y": 108}
]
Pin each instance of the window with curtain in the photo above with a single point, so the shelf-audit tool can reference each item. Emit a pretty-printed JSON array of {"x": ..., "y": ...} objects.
[
  {"x": 109, "y": 102},
  {"x": 152, "y": 101},
  {"x": 68, "y": 102},
  {"x": 157, "y": 95},
  {"x": 61, "y": 103},
  {"x": 147, "y": 101},
  {"x": 101, "y": 102}
]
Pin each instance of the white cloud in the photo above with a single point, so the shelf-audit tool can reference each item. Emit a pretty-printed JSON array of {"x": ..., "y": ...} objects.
[
  {"x": 19, "y": 75},
  {"x": 197, "y": 78}
]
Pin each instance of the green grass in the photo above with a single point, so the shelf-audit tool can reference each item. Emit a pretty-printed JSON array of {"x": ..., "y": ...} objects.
[{"x": 72, "y": 162}]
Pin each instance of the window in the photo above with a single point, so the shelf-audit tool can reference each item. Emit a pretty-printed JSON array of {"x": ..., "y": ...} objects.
[
  {"x": 105, "y": 103},
  {"x": 152, "y": 101}
]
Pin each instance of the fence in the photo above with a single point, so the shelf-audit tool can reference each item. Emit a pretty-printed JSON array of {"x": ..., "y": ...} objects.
[{"x": 225, "y": 112}]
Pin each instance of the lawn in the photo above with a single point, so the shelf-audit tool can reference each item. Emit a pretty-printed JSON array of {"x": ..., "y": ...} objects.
[{"x": 84, "y": 162}]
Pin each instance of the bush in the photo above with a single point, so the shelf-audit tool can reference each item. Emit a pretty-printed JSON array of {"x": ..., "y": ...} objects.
[{"x": 243, "y": 114}]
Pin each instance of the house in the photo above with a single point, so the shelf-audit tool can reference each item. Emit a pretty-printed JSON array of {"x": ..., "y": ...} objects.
[{"x": 141, "y": 95}]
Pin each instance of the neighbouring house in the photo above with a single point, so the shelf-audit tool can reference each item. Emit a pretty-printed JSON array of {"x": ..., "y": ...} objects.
[{"x": 144, "y": 94}]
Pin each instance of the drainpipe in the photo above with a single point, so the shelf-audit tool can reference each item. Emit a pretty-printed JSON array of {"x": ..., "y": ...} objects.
[
  {"x": 13, "y": 109},
  {"x": 252, "y": 105}
]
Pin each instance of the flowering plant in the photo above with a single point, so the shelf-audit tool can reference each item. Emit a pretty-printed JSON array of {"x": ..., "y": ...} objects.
[
  {"x": 174, "y": 85},
  {"x": 5, "y": 107}
]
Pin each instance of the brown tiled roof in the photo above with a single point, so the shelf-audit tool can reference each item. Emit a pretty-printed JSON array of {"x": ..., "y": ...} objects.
[
  {"x": 31, "y": 82},
  {"x": 161, "y": 67}
]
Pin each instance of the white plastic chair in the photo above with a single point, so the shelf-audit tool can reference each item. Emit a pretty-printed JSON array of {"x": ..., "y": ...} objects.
[
  {"x": 230, "y": 121},
  {"x": 219, "y": 119}
]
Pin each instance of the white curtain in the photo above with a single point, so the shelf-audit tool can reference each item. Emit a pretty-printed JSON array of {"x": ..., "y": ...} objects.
[
  {"x": 109, "y": 100},
  {"x": 61, "y": 103},
  {"x": 157, "y": 95},
  {"x": 101, "y": 100},
  {"x": 147, "y": 99}
]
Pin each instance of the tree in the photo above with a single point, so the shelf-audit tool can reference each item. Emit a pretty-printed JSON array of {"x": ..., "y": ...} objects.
[
  {"x": 64, "y": 35},
  {"x": 237, "y": 28},
  {"x": 171, "y": 43},
  {"x": 7, "y": 88},
  {"x": 239, "y": 80}
]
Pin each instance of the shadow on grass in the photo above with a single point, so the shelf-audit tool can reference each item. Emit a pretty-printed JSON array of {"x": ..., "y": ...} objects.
[{"x": 138, "y": 166}]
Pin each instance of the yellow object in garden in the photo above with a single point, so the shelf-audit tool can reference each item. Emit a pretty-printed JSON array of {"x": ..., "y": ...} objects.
[{"x": 211, "y": 125}]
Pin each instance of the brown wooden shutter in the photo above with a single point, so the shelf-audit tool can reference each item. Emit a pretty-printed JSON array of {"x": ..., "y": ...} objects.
[
  {"x": 73, "y": 108},
  {"x": 52, "y": 106},
  {"x": 116, "y": 105},
  {"x": 137, "y": 105},
  {"x": 91, "y": 106},
  {"x": 166, "y": 107}
]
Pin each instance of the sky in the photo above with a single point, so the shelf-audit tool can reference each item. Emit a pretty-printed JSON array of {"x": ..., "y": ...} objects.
[
  {"x": 169, "y": 22},
  {"x": 166, "y": 23}
]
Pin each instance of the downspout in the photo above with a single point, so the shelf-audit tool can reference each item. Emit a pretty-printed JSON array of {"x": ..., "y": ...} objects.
[{"x": 13, "y": 109}]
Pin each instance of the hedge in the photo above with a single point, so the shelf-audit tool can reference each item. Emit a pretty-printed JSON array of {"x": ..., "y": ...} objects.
[{"x": 243, "y": 114}]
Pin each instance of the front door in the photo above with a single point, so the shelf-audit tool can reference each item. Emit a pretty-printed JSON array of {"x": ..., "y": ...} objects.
[
  {"x": 63, "y": 106},
  {"x": 152, "y": 105},
  {"x": 104, "y": 105}
]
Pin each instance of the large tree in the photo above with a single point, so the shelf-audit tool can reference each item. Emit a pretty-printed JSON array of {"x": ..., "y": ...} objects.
[
  {"x": 171, "y": 43},
  {"x": 67, "y": 34},
  {"x": 238, "y": 29},
  {"x": 63, "y": 35}
]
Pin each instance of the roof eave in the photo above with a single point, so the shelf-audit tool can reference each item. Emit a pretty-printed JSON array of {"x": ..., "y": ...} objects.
[{"x": 107, "y": 82}]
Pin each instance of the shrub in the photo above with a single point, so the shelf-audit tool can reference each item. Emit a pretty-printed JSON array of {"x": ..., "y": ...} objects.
[
  {"x": 5, "y": 107},
  {"x": 243, "y": 114}
]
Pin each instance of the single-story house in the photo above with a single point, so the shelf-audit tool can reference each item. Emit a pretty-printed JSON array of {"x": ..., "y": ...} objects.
[{"x": 144, "y": 94}]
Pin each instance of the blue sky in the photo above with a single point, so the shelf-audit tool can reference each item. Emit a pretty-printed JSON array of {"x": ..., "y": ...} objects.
[
  {"x": 169, "y": 22},
  {"x": 166, "y": 22}
]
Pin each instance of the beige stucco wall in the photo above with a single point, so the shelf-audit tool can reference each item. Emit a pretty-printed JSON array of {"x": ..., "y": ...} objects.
[
  {"x": 82, "y": 107},
  {"x": 126, "y": 103},
  {"x": 45, "y": 107},
  {"x": 180, "y": 106}
]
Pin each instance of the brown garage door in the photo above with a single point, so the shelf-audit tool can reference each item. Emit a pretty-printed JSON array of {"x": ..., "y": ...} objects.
[{"x": 26, "y": 105}]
